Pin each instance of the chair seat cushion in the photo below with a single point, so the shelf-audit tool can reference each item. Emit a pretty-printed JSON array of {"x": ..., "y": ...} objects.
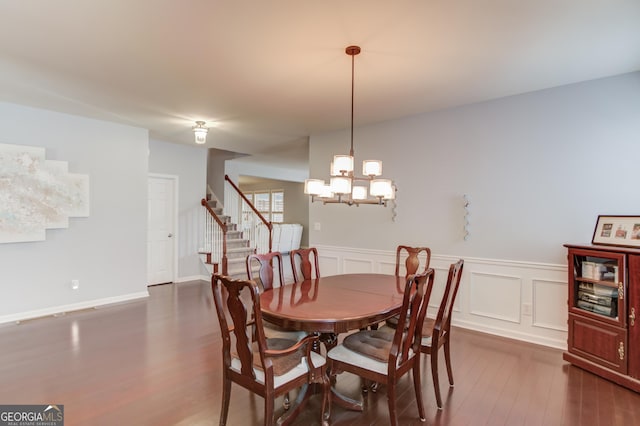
[
  {"x": 281, "y": 364},
  {"x": 272, "y": 331},
  {"x": 427, "y": 327},
  {"x": 393, "y": 321},
  {"x": 374, "y": 344},
  {"x": 299, "y": 368}
]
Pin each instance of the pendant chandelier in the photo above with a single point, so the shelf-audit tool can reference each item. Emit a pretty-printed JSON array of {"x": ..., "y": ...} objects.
[{"x": 345, "y": 187}]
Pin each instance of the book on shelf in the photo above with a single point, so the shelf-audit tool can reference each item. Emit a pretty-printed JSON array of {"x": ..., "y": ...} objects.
[
  {"x": 598, "y": 300},
  {"x": 598, "y": 290},
  {"x": 598, "y": 309}
]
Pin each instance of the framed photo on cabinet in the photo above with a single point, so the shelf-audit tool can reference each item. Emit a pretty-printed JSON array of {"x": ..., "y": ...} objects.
[{"x": 617, "y": 231}]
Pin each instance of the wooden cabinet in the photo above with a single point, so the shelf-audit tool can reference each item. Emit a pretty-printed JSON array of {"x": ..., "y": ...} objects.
[{"x": 604, "y": 325}]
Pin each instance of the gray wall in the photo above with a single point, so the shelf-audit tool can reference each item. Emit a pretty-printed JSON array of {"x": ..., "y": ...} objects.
[
  {"x": 189, "y": 163},
  {"x": 106, "y": 251},
  {"x": 216, "y": 169},
  {"x": 538, "y": 167},
  {"x": 296, "y": 203}
]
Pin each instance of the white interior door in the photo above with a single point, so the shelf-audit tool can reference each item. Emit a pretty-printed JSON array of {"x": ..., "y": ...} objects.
[{"x": 161, "y": 233}]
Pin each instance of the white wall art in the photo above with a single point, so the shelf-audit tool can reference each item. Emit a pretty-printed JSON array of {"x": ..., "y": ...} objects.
[{"x": 37, "y": 194}]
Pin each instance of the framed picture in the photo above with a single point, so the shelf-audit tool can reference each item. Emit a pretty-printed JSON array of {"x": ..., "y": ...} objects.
[{"x": 617, "y": 231}]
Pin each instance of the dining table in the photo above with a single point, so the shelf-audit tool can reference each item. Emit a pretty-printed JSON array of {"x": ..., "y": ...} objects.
[{"x": 334, "y": 304}]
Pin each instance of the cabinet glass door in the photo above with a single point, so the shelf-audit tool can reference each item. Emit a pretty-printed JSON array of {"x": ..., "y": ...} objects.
[{"x": 598, "y": 285}]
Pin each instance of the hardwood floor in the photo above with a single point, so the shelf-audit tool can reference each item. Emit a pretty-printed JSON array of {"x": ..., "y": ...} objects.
[{"x": 157, "y": 362}]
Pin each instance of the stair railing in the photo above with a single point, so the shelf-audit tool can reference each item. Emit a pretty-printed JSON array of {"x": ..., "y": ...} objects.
[
  {"x": 253, "y": 225},
  {"x": 215, "y": 239}
]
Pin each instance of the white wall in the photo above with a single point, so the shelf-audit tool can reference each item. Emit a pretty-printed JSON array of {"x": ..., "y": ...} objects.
[
  {"x": 106, "y": 252},
  {"x": 538, "y": 167},
  {"x": 189, "y": 164}
]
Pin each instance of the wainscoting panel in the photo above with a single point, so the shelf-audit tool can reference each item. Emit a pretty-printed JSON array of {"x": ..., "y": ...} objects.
[
  {"x": 550, "y": 304},
  {"x": 387, "y": 267},
  {"x": 520, "y": 300},
  {"x": 357, "y": 266},
  {"x": 328, "y": 264},
  {"x": 495, "y": 296}
]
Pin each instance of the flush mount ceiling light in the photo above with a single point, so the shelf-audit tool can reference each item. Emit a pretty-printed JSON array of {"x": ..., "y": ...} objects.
[
  {"x": 200, "y": 130},
  {"x": 345, "y": 187}
]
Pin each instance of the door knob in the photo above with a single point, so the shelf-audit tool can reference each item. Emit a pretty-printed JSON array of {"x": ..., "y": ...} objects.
[{"x": 170, "y": 235}]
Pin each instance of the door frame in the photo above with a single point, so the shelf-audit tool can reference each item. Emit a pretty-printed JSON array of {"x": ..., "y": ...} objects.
[{"x": 174, "y": 179}]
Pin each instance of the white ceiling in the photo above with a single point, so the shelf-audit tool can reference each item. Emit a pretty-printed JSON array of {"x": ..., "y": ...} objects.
[{"x": 266, "y": 74}]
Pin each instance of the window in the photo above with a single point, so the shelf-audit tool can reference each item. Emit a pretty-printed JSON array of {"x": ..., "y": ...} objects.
[
  {"x": 277, "y": 206},
  {"x": 270, "y": 204}
]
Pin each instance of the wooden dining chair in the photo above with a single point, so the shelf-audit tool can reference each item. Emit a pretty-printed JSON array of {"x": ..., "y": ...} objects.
[
  {"x": 304, "y": 269},
  {"x": 412, "y": 257},
  {"x": 385, "y": 355},
  {"x": 435, "y": 333},
  {"x": 260, "y": 268},
  {"x": 267, "y": 367}
]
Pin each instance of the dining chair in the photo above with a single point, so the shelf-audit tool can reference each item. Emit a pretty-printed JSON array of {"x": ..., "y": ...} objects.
[
  {"x": 260, "y": 268},
  {"x": 436, "y": 332},
  {"x": 267, "y": 367},
  {"x": 412, "y": 257},
  {"x": 385, "y": 355},
  {"x": 304, "y": 270}
]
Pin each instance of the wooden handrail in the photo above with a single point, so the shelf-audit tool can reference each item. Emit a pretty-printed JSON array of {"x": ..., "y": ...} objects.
[
  {"x": 269, "y": 225},
  {"x": 223, "y": 226},
  {"x": 246, "y": 200},
  {"x": 214, "y": 215}
]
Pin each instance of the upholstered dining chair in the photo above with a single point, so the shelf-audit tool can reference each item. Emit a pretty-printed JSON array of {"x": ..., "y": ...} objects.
[
  {"x": 385, "y": 355},
  {"x": 436, "y": 332},
  {"x": 304, "y": 269},
  {"x": 267, "y": 367},
  {"x": 412, "y": 257}
]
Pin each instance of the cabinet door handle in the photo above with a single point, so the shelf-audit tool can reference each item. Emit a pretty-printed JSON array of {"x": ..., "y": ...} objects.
[
  {"x": 632, "y": 316},
  {"x": 621, "y": 350}
]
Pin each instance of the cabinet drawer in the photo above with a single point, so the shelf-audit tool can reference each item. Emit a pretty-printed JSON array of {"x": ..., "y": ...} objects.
[{"x": 598, "y": 342}]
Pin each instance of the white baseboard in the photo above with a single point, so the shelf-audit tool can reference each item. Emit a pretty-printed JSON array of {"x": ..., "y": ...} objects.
[
  {"x": 510, "y": 334},
  {"x": 62, "y": 309}
]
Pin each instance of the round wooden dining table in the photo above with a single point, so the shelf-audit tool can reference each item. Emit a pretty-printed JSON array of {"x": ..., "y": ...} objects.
[{"x": 334, "y": 304}]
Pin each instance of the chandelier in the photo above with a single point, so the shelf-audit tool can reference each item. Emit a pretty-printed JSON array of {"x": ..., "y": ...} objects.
[{"x": 344, "y": 186}]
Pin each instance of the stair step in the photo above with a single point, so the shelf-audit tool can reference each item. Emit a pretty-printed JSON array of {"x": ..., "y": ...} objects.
[
  {"x": 234, "y": 235},
  {"x": 239, "y": 243},
  {"x": 241, "y": 252}
]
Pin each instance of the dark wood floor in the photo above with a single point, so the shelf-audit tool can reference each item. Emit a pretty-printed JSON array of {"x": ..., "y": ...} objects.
[{"x": 157, "y": 362}]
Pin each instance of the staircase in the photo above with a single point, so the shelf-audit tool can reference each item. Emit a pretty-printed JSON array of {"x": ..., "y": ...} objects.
[{"x": 237, "y": 247}]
